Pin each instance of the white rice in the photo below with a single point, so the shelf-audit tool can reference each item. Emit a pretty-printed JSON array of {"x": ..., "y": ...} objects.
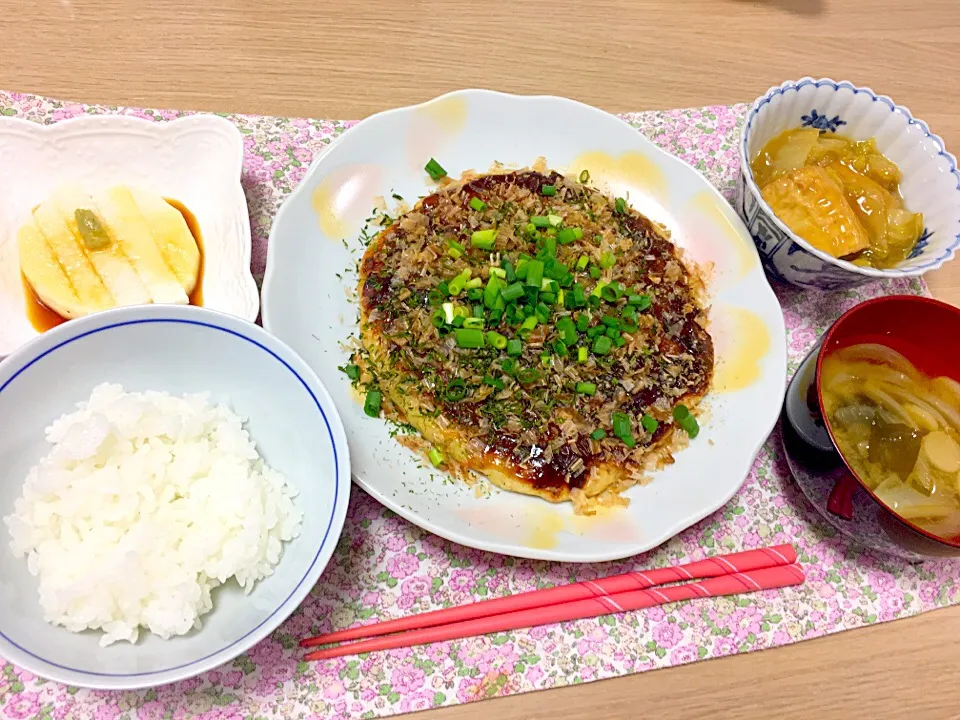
[{"x": 145, "y": 504}]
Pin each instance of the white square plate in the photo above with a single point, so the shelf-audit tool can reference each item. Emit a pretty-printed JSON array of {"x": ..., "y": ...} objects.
[{"x": 195, "y": 160}]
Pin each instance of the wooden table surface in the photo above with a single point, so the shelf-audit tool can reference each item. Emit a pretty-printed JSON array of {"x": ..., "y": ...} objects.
[{"x": 350, "y": 58}]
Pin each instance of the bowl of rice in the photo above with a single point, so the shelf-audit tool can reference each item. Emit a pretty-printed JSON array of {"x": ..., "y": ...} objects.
[{"x": 158, "y": 465}]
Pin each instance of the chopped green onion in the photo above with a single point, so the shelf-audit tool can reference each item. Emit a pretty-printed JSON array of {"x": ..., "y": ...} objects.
[
  {"x": 456, "y": 285},
  {"x": 546, "y": 359},
  {"x": 560, "y": 348},
  {"x": 492, "y": 291},
  {"x": 438, "y": 318},
  {"x": 498, "y": 272},
  {"x": 691, "y": 426},
  {"x": 561, "y": 297},
  {"x": 585, "y": 176},
  {"x": 594, "y": 301},
  {"x": 620, "y": 205},
  {"x": 477, "y": 310},
  {"x": 444, "y": 288},
  {"x": 473, "y": 322},
  {"x": 583, "y": 322},
  {"x": 457, "y": 321},
  {"x": 542, "y": 312},
  {"x": 434, "y": 298},
  {"x": 371, "y": 404},
  {"x": 612, "y": 333},
  {"x": 602, "y": 345},
  {"x": 587, "y": 388},
  {"x": 612, "y": 292},
  {"x": 550, "y": 245},
  {"x": 595, "y": 330},
  {"x": 351, "y": 371},
  {"x": 508, "y": 365},
  {"x": 582, "y": 354},
  {"x": 567, "y": 280},
  {"x": 534, "y": 273},
  {"x": 548, "y": 298},
  {"x": 521, "y": 272},
  {"x": 621, "y": 424},
  {"x": 528, "y": 376},
  {"x": 474, "y": 294},
  {"x": 629, "y": 313},
  {"x": 471, "y": 338},
  {"x": 455, "y": 245},
  {"x": 460, "y": 311},
  {"x": 512, "y": 292},
  {"x": 607, "y": 260},
  {"x": 622, "y": 429},
  {"x": 448, "y": 312},
  {"x": 619, "y": 341},
  {"x": 598, "y": 434},
  {"x": 483, "y": 239},
  {"x": 554, "y": 220},
  {"x": 540, "y": 221},
  {"x": 474, "y": 282},
  {"x": 528, "y": 325},
  {"x": 478, "y": 204},
  {"x": 595, "y": 272},
  {"x": 514, "y": 347},
  {"x": 641, "y": 302},
  {"x": 598, "y": 289},
  {"x": 680, "y": 412},
  {"x": 435, "y": 170},
  {"x": 567, "y": 330},
  {"x": 568, "y": 235},
  {"x": 549, "y": 190},
  {"x": 579, "y": 295},
  {"x": 582, "y": 263},
  {"x": 493, "y": 382},
  {"x": 610, "y": 321},
  {"x": 436, "y": 457},
  {"x": 456, "y": 390},
  {"x": 649, "y": 423},
  {"x": 496, "y": 340},
  {"x": 511, "y": 273},
  {"x": 454, "y": 253}
]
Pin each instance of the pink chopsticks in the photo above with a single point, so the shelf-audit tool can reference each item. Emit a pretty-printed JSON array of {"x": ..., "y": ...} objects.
[{"x": 749, "y": 571}]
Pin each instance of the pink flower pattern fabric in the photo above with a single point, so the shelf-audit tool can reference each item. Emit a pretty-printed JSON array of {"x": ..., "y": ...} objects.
[{"x": 384, "y": 567}]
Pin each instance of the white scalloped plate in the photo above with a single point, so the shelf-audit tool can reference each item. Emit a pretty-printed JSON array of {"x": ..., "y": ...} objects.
[
  {"x": 305, "y": 305},
  {"x": 195, "y": 160}
]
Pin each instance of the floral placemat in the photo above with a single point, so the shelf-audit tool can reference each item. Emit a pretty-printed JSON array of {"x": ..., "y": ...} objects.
[{"x": 384, "y": 567}]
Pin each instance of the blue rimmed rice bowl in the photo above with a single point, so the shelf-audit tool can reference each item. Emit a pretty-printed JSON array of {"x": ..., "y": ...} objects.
[{"x": 931, "y": 181}]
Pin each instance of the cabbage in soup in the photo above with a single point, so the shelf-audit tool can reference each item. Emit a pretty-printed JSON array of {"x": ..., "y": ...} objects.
[{"x": 899, "y": 430}]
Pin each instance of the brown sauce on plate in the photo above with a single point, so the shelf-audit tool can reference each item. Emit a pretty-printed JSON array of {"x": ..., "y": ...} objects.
[{"x": 43, "y": 318}]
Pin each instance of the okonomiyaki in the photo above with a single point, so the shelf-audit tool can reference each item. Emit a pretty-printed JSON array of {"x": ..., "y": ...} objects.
[{"x": 537, "y": 332}]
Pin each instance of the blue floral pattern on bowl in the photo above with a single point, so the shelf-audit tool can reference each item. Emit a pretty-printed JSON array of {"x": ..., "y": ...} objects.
[
  {"x": 921, "y": 243},
  {"x": 822, "y": 123},
  {"x": 827, "y": 106}
]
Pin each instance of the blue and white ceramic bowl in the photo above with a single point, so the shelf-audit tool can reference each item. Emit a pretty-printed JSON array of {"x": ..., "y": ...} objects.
[{"x": 931, "y": 181}]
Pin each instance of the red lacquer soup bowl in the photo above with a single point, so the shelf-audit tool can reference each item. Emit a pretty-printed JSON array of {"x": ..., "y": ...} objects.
[{"x": 927, "y": 333}]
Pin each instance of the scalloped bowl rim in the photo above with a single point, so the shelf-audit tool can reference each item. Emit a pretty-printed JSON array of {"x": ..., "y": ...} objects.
[{"x": 747, "y": 171}]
